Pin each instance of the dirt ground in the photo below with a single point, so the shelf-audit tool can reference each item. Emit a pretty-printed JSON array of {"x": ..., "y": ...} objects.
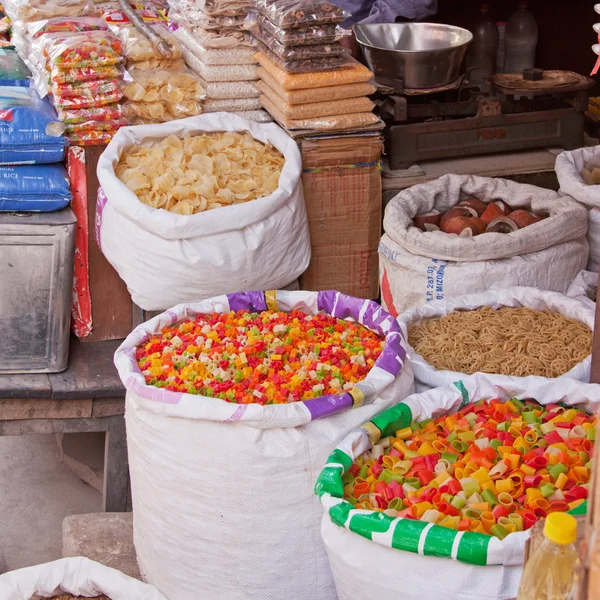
[{"x": 37, "y": 492}]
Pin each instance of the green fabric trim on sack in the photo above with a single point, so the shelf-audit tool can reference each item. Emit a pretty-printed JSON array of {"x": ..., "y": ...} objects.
[
  {"x": 580, "y": 510},
  {"x": 339, "y": 513},
  {"x": 407, "y": 535},
  {"x": 368, "y": 524},
  {"x": 463, "y": 392},
  {"x": 330, "y": 478},
  {"x": 439, "y": 541},
  {"x": 473, "y": 548},
  {"x": 392, "y": 419}
]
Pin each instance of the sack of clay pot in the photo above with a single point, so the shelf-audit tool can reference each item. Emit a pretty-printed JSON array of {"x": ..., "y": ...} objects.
[
  {"x": 76, "y": 577},
  {"x": 465, "y": 234},
  {"x": 578, "y": 174}
]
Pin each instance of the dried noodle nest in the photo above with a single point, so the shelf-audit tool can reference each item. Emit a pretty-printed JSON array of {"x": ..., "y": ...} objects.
[
  {"x": 508, "y": 341},
  {"x": 201, "y": 172}
]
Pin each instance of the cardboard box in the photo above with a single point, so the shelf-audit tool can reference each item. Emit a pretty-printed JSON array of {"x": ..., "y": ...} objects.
[{"x": 342, "y": 189}]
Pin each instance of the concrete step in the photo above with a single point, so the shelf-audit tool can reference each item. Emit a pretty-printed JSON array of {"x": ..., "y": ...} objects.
[{"x": 104, "y": 537}]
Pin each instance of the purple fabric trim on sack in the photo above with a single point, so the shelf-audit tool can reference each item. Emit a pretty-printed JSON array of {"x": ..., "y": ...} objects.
[
  {"x": 253, "y": 301},
  {"x": 155, "y": 394},
  {"x": 325, "y": 406},
  {"x": 172, "y": 316},
  {"x": 238, "y": 414},
  {"x": 393, "y": 355},
  {"x": 100, "y": 204}
]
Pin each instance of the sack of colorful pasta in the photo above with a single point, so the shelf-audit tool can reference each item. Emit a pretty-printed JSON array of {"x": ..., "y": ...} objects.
[
  {"x": 434, "y": 497},
  {"x": 232, "y": 403}
]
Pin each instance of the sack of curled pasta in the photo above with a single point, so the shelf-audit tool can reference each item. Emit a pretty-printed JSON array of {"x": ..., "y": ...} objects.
[
  {"x": 517, "y": 336},
  {"x": 160, "y": 96},
  {"x": 79, "y": 50}
]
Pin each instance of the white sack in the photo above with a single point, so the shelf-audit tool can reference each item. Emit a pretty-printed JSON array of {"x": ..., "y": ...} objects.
[
  {"x": 372, "y": 569},
  {"x": 77, "y": 576},
  {"x": 418, "y": 267},
  {"x": 223, "y": 493},
  {"x": 166, "y": 258},
  {"x": 568, "y": 169},
  {"x": 430, "y": 377},
  {"x": 584, "y": 288}
]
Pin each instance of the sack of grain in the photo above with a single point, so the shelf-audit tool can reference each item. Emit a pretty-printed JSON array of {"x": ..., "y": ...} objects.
[
  {"x": 417, "y": 267},
  {"x": 77, "y": 576},
  {"x": 431, "y": 377},
  {"x": 375, "y": 555},
  {"x": 166, "y": 258},
  {"x": 222, "y": 492},
  {"x": 569, "y": 167}
]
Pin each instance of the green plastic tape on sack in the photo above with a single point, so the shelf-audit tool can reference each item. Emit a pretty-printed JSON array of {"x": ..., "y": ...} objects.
[
  {"x": 330, "y": 478},
  {"x": 392, "y": 419}
]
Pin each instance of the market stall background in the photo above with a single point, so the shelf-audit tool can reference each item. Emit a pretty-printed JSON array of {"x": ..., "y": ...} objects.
[{"x": 101, "y": 73}]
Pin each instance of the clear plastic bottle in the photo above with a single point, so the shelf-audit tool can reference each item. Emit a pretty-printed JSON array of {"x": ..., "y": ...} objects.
[
  {"x": 520, "y": 40},
  {"x": 554, "y": 571},
  {"x": 481, "y": 56}
]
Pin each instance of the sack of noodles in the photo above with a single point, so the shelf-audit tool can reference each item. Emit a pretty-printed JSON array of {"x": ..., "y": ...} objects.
[
  {"x": 201, "y": 206},
  {"x": 499, "y": 233},
  {"x": 434, "y": 497},
  {"x": 73, "y": 578},
  {"x": 516, "y": 335},
  {"x": 233, "y": 405}
]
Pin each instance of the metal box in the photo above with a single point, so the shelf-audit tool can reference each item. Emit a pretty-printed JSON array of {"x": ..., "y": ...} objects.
[{"x": 36, "y": 282}]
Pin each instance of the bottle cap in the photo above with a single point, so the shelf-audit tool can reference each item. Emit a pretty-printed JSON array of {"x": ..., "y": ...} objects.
[{"x": 560, "y": 528}]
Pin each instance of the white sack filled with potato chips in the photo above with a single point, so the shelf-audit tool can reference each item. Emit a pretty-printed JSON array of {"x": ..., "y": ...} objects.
[{"x": 166, "y": 258}]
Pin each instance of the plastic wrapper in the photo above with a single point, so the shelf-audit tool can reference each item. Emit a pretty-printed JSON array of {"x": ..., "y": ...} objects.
[
  {"x": 66, "y": 25},
  {"x": 355, "y": 73},
  {"x": 95, "y": 101},
  {"x": 321, "y": 94},
  {"x": 89, "y": 49},
  {"x": 314, "y": 51},
  {"x": 230, "y": 90},
  {"x": 110, "y": 112},
  {"x": 218, "y": 24},
  {"x": 222, "y": 39},
  {"x": 242, "y": 55},
  {"x": 39, "y": 10},
  {"x": 316, "y": 109},
  {"x": 242, "y": 104},
  {"x": 305, "y": 36},
  {"x": 308, "y": 65},
  {"x": 92, "y": 137},
  {"x": 291, "y": 14},
  {"x": 220, "y": 73},
  {"x": 157, "y": 64},
  {"x": 30, "y": 132},
  {"x": 87, "y": 88},
  {"x": 65, "y": 76},
  {"x": 258, "y": 116},
  {"x": 12, "y": 67},
  {"x": 109, "y": 125},
  {"x": 160, "y": 96},
  {"x": 326, "y": 123},
  {"x": 215, "y": 7}
]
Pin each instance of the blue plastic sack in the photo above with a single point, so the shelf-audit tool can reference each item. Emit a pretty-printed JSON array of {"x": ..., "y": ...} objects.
[
  {"x": 33, "y": 188},
  {"x": 30, "y": 132}
]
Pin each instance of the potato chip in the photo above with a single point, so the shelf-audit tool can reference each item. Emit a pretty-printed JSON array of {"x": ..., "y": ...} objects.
[
  {"x": 201, "y": 172},
  {"x": 159, "y": 96}
]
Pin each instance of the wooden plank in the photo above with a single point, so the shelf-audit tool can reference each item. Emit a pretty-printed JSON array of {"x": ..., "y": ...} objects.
[
  {"x": 108, "y": 407},
  {"x": 50, "y": 426},
  {"x": 111, "y": 302},
  {"x": 91, "y": 373},
  {"x": 116, "y": 467},
  {"x": 25, "y": 386},
  {"x": 14, "y": 409}
]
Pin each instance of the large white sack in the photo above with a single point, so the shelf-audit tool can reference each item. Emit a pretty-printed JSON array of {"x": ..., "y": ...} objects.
[
  {"x": 77, "y": 576},
  {"x": 585, "y": 288},
  {"x": 166, "y": 258},
  {"x": 366, "y": 556},
  {"x": 418, "y": 267},
  {"x": 568, "y": 169},
  {"x": 430, "y": 377},
  {"x": 223, "y": 493}
]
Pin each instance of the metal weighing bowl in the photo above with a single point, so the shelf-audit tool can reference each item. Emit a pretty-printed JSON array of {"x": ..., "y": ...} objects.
[{"x": 421, "y": 55}]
